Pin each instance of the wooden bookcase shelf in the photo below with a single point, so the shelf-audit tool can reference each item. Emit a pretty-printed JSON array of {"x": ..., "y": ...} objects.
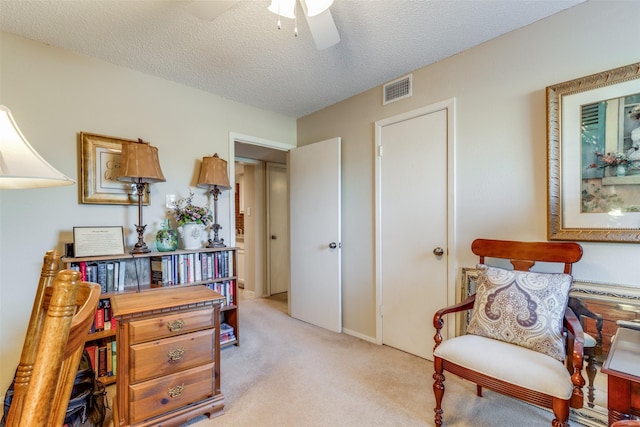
[{"x": 215, "y": 268}]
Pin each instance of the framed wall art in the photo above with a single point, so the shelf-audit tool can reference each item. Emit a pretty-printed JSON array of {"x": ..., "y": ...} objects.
[
  {"x": 593, "y": 157},
  {"x": 99, "y": 171}
]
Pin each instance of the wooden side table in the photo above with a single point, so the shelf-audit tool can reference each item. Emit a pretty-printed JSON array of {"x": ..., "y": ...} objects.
[{"x": 622, "y": 367}]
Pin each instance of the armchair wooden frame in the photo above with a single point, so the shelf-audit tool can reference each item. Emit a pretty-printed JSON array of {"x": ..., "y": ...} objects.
[
  {"x": 63, "y": 310},
  {"x": 523, "y": 255}
]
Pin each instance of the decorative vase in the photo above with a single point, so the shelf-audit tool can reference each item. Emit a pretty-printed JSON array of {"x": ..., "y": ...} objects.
[
  {"x": 191, "y": 233},
  {"x": 166, "y": 238},
  {"x": 621, "y": 170}
]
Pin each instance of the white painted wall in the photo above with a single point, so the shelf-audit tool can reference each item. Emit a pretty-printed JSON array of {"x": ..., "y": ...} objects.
[
  {"x": 53, "y": 95},
  {"x": 501, "y": 171}
]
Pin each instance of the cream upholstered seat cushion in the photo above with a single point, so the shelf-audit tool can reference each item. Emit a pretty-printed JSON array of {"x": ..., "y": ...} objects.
[
  {"x": 506, "y": 362},
  {"x": 589, "y": 341}
]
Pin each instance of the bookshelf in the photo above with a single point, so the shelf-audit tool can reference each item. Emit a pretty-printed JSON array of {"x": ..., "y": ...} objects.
[{"x": 215, "y": 268}]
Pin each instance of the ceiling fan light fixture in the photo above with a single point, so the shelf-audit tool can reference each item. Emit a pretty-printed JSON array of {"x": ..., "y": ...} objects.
[
  {"x": 285, "y": 8},
  {"x": 316, "y": 7}
]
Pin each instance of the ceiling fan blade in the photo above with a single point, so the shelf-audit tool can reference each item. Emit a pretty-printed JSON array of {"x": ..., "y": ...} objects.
[
  {"x": 323, "y": 29},
  {"x": 209, "y": 10}
]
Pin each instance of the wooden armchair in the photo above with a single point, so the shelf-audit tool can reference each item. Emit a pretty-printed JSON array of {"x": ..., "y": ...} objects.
[
  {"x": 61, "y": 317},
  {"x": 504, "y": 349}
]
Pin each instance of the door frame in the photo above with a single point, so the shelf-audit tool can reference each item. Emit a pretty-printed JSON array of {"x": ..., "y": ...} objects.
[
  {"x": 252, "y": 140},
  {"x": 449, "y": 106}
]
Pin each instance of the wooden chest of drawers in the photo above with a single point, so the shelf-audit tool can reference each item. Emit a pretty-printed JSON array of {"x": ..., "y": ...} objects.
[{"x": 168, "y": 344}]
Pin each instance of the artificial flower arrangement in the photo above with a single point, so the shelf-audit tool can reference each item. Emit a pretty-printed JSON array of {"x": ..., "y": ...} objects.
[
  {"x": 610, "y": 160},
  {"x": 185, "y": 211}
]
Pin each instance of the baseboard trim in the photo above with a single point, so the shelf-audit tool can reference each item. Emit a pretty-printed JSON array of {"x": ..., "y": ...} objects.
[{"x": 359, "y": 335}]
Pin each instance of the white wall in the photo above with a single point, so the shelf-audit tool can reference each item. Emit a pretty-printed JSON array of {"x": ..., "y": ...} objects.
[
  {"x": 501, "y": 171},
  {"x": 53, "y": 95}
]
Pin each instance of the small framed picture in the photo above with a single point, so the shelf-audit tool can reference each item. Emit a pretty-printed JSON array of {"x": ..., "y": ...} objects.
[{"x": 100, "y": 169}]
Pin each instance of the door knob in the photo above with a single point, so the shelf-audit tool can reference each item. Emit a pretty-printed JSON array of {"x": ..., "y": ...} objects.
[
  {"x": 438, "y": 251},
  {"x": 273, "y": 237},
  {"x": 332, "y": 245}
]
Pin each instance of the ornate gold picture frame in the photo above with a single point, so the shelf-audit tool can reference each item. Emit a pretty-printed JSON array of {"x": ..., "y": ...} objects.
[
  {"x": 99, "y": 171},
  {"x": 586, "y": 200}
]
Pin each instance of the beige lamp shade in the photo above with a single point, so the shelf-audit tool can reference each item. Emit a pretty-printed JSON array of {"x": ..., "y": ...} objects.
[
  {"x": 214, "y": 172},
  {"x": 140, "y": 162},
  {"x": 20, "y": 165}
]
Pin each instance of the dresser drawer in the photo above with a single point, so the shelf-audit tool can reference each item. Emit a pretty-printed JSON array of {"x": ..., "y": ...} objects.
[
  {"x": 169, "y": 325},
  {"x": 164, "y": 394},
  {"x": 169, "y": 355}
]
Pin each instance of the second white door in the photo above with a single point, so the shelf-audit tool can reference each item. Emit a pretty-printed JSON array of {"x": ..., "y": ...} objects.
[{"x": 413, "y": 229}]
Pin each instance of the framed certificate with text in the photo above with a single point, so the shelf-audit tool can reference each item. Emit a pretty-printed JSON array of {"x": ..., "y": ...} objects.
[{"x": 98, "y": 241}]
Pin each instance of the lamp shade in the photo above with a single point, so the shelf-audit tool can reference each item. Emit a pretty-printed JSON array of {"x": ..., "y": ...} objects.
[
  {"x": 20, "y": 165},
  {"x": 214, "y": 172},
  {"x": 140, "y": 162}
]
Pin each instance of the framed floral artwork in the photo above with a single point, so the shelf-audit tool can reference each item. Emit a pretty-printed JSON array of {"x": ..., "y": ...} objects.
[
  {"x": 593, "y": 157},
  {"x": 99, "y": 171}
]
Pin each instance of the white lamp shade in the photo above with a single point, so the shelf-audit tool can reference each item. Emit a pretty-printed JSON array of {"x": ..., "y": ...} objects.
[{"x": 20, "y": 165}]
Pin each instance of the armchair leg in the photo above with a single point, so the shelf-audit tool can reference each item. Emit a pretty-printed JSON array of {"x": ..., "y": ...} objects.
[
  {"x": 591, "y": 375},
  {"x": 438, "y": 389},
  {"x": 561, "y": 411}
]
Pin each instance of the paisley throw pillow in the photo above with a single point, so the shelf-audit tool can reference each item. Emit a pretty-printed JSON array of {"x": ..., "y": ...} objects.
[{"x": 522, "y": 308}]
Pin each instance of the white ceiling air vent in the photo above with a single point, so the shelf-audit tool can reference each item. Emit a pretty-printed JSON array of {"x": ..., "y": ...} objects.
[{"x": 397, "y": 89}]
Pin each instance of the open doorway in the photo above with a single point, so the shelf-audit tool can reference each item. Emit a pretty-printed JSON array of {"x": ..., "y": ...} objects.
[{"x": 261, "y": 218}]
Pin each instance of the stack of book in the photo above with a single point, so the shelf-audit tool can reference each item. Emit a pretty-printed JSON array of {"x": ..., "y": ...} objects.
[{"x": 227, "y": 333}]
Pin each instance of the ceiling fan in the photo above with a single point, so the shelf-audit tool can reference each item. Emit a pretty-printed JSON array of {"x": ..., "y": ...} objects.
[{"x": 323, "y": 28}]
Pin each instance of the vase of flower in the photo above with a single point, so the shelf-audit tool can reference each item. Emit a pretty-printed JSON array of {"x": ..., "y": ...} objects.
[
  {"x": 192, "y": 220},
  {"x": 166, "y": 238},
  {"x": 191, "y": 233},
  {"x": 621, "y": 170}
]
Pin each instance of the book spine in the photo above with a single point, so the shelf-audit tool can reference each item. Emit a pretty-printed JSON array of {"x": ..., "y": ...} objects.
[
  {"x": 102, "y": 361},
  {"x": 122, "y": 273},
  {"x": 83, "y": 271},
  {"x": 110, "y": 281},
  {"x": 99, "y": 319},
  {"x": 102, "y": 276},
  {"x": 106, "y": 306},
  {"x": 114, "y": 357}
]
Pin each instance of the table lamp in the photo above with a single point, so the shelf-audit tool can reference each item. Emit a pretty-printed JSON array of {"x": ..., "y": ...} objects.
[
  {"x": 213, "y": 175},
  {"x": 140, "y": 166}
]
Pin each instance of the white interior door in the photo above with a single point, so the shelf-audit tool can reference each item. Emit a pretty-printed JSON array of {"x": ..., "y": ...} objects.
[
  {"x": 314, "y": 186},
  {"x": 412, "y": 210},
  {"x": 278, "y": 228}
]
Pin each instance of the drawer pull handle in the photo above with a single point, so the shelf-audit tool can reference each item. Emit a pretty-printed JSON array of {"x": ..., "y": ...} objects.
[
  {"x": 176, "y": 354},
  {"x": 175, "y": 325},
  {"x": 176, "y": 391}
]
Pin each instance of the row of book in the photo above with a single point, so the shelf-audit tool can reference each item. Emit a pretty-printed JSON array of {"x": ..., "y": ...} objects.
[
  {"x": 103, "y": 319},
  {"x": 227, "y": 289},
  {"x": 103, "y": 358},
  {"x": 176, "y": 269},
  {"x": 114, "y": 276},
  {"x": 227, "y": 333}
]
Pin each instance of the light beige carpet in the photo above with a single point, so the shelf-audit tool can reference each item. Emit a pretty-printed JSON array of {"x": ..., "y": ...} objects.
[
  {"x": 287, "y": 373},
  {"x": 290, "y": 373}
]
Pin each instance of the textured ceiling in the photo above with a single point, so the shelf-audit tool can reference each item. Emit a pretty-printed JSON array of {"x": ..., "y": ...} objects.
[{"x": 241, "y": 55}]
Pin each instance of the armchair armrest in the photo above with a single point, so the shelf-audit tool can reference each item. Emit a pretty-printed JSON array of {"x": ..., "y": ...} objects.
[
  {"x": 438, "y": 321},
  {"x": 576, "y": 346}
]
